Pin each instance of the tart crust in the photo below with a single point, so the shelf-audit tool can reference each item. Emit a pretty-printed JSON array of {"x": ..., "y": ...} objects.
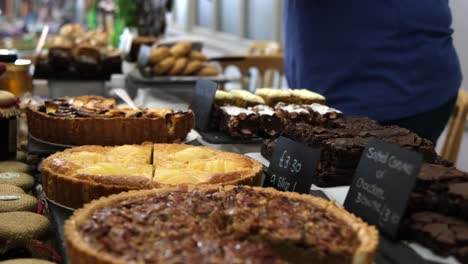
[
  {"x": 108, "y": 131},
  {"x": 73, "y": 191},
  {"x": 79, "y": 251}
]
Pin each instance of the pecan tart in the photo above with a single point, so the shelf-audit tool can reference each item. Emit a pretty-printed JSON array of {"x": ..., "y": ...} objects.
[
  {"x": 78, "y": 175},
  {"x": 213, "y": 224},
  {"x": 95, "y": 120}
]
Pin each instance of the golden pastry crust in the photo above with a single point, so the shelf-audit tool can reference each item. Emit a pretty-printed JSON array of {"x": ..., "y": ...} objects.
[
  {"x": 196, "y": 55},
  {"x": 102, "y": 130},
  {"x": 68, "y": 177},
  {"x": 164, "y": 66},
  {"x": 192, "y": 67},
  {"x": 178, "y": 67},
  {"x": 181, "y": 49},
  {"x": 159, "y": 54},
  {"x": 208, "y": 70},
  {"x": 81, "y": 251}
]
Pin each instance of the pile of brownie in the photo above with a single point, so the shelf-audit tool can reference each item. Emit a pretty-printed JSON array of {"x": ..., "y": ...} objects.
[
  {"x": 437, "y": 214},
  {"x": 244, "y": 115}
]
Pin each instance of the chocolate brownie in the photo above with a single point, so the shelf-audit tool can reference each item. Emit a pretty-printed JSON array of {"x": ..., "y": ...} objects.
[
  {"x": 293, "y": 113},
  {"x": 445, "y": 235},
  {"x": 441, "y": 189},
  {"x": 324, "y": 113},
  {"x": 238, "y": 122},
  {"x": 270, "y": 123}
]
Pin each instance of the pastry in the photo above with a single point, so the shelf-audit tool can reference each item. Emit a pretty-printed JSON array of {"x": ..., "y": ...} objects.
[
  {"x": 273, "y": 96},
  {"x": 223, "y": 98},
  {"x": 238, "y": 122},
  {"x": 208, "y": 70},
  {"x": 164, "y": 66},
  {"x": 304, "y": 96},
  {"x": 181, "y": 49},
  {"x": 78, "y": 175},
  {"x": 179, "y": 66},
  {"x": 26, "y": 261},
  {"x": 243, "y": 98},
  {"x": 96, "y": 120},
  {"x": 159, "y": 54},
  {"x": 192, "y": 67},
  {"x": 210, "y": 224},
  {"x": 196, "y": 55}
]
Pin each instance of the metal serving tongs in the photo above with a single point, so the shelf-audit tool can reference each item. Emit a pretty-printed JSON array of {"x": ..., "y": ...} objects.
[{"x": 122, "y": 94}]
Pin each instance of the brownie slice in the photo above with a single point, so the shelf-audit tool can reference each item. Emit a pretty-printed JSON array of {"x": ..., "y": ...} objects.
[
  {"x": 270, "y": 123},
  {"x": 441, "y": 189},
  {"x": 324, "y": 113},
  {"x": 293, "y": 113},
  {"x": 445, "y": 235},
  {"x": 238, "y": 122}
]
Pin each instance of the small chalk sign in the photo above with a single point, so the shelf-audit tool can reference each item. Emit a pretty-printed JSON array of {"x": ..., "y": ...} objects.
[
  {"x": 202, "y": 102},
  {"x": 292, "y": 167},
  {"x": 143, "y": 59},
  {"x": 382, "y": 185}
]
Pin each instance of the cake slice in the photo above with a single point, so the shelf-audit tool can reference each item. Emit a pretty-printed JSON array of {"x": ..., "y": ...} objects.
[
  {"x": 243, "y": 98},
  {"x": 274, "y": 96}
]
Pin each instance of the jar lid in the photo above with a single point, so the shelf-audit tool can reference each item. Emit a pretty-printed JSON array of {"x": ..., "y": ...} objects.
[
  {"x": 8, "y": 104},
  {"x": 16, "y": 232},
  {"x": 8, "y": 56},
  {"x": 19, "y": 179},
  {"x": 14, "y": 166},
  {"x": 17, "y": 202},
  {"x": 10, "y": 188}
]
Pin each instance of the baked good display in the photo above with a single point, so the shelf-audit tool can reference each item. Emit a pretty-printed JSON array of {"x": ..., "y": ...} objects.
[
  {"x": 79, "y": 175},
  {"x": 211, "y": 224},
  {"x": 76, "y": 54},
  {"x": 290, "y": 96},
  {"x": 96, "y": 120},
  {"x": 342, "y": 142},
  {"x": 180, "y": 60}
]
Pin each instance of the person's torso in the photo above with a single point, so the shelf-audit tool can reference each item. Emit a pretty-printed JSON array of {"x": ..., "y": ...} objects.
[{"x": 372, "y": 57}]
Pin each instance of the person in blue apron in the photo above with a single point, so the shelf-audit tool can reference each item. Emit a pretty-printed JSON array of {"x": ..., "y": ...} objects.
[{"x": 393, "y": 61}]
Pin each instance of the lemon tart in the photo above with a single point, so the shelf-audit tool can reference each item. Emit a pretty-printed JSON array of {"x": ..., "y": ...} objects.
[{"x": 81, "y": 174}]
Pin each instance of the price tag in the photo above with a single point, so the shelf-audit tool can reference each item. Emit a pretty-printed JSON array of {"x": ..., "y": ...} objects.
[
  {"x": 292, "y": 167},
  {"x": 382, "y": 185},
  {"x": 143, "y": 58},
  {"x": 202, "y": 102}
]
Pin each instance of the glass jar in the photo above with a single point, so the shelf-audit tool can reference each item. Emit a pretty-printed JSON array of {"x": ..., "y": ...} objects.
[
  {"x": 17, "y": 79},
  {"x": 8, "y": 125}
]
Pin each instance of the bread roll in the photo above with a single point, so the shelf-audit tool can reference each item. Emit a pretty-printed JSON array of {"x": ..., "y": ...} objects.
[
  {"x": 192, "y": 67},
  {"x": 159, "y": 54},
  {"x": 208, "y": 70},
  {"x": 163, "y": 66},
  {"x": 196, "y": 55},
  {"x": 181, "y": 49},
  {"x": 179, "y": 66}
]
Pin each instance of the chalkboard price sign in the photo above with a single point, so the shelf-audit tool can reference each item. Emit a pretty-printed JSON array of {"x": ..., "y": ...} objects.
[
  {"x": 382, "y": 185},
  {"x": 202, "y": 102},
  {"x": 292, "y": 166}
]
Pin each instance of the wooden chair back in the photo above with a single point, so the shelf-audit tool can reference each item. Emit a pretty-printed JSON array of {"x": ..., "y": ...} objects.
[{"x": 456, "y": 126}]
